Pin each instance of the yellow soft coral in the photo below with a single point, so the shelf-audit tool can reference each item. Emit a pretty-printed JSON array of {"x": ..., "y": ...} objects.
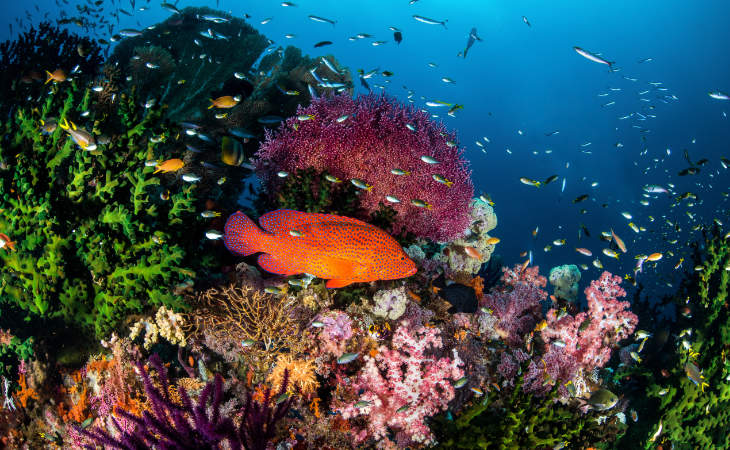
[
  {"x": 301, "y": 374},
  {"x": 167, "y": 324}
]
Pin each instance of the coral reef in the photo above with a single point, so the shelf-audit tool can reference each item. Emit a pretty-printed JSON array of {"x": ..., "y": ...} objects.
[
  {"x": 590, "y": 336},
  {"x": 166, "y": 324},
  {"x": 565, "y": 278},
  {"x": 685, "y": 397},
  {"x": 372, "y": 140}
]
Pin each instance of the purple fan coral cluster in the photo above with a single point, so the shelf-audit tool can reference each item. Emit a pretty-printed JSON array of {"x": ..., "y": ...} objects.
[
  {"x": 171, "y": 425},
  {"x": 590, "y": 336},
  {"x": 403, "y": 385},
  {"x": 517, "y": 303},
  {"x": 364, "y": 139}
]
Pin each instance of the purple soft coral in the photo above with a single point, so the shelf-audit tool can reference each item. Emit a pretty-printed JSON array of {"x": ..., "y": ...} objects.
[
  {"x": 367, "y": 137},
  {"x": 186, "y": 426}
]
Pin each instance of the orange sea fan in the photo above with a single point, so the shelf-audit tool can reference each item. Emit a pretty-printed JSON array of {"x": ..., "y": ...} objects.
[{"x": 301, "y": 374}]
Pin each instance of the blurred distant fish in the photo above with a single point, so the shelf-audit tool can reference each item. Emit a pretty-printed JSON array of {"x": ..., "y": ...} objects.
[
  {"x": 593, "y": 57},
  {"x": 130, "y": 32},
  {"x": 322, "y": 44},
  {"x": 717, "y": 95},
  {"x": 322, "y": 19},
  {"x": 428, "y": 21},
  {"x": 170, "y": 7},
  {"x": 527, "y": 22},
  {"x": 472, "y": 38},
  {"x": 398, "y": 36}
]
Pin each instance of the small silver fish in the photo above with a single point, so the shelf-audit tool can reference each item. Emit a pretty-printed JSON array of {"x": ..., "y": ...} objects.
[
  {"x": 213, "y": 234},
  {"x": 347, "y": 358}
]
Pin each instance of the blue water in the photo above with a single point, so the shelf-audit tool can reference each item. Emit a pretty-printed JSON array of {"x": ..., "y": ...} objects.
[{"x": 529, "y": 79}]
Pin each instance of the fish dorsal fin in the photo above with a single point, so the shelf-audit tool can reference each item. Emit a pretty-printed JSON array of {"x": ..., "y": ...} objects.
[{"x": 282, "y": 221}]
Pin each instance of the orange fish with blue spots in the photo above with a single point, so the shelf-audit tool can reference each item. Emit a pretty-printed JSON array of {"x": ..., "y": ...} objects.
[{"x": 340, "y": 249}]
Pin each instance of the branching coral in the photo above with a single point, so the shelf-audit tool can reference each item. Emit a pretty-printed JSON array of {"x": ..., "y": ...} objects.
[
  {"x": 403, "y": 385},
  {"x": 379, "y": 135},
  {"x": 166, "y": 324},
  {"x": 238, "y": 313},
  {"x": 301, "y": 373}
]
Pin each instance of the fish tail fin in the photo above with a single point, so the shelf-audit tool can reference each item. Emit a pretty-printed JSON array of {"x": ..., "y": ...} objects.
[
  {"x": 242, "y": 235},
  {"x": 212, "y": 104},
  {"x": 50, "y": 77},
  {"x": 444, "y": 23}
]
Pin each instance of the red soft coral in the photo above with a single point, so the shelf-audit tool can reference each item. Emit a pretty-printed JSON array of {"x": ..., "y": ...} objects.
[{"x": 377, "y": 135}]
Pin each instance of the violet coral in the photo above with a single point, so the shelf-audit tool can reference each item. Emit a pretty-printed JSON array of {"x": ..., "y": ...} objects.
[
  {"x": 378, "y": 135},
  {"x": 403, "y": 385},
  {"x": 590, "y": 336},
  {"x": 390, "y": 303},
  {"x": 517, "y": 303},
  {"x": 336, "y": 330}
]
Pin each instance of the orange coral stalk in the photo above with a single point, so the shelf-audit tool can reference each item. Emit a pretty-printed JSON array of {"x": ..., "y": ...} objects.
[
  {"x": 24, "y": 393},
  {"x": 478, "y": 284},
  {"x": 314, "y": 407},
  {"x": 77, "y": 413}
]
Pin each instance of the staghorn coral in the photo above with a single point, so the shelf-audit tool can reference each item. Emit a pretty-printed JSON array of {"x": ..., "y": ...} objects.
[
  {"x": 403, "y": 385},
  {"x": 229, "y": 315},
  {"x": 367, "y": 146}
]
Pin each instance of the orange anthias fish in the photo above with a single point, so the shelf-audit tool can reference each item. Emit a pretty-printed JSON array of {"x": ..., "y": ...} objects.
[
  {"x": 5, "y": 241},
  {"x": 170, "y": 165},
  {"x": 225, "y": 101},
  {"x": 57, "y": 76},
  {"x": 340, "y": 249}
]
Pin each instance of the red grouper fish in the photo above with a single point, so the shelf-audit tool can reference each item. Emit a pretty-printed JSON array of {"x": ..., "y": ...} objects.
[{"x": 340, "y": 249}]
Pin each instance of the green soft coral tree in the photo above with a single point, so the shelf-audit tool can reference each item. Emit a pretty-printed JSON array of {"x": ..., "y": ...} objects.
[
  {"x": 695, "y": 416},
  {"x": 95, "y": 240},
  {"x": 519, "y": 420}
]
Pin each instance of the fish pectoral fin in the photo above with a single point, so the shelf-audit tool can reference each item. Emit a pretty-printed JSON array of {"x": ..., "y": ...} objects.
[
  {"x": 338, "y": 283},
  {"x": 273, "y": 265}
]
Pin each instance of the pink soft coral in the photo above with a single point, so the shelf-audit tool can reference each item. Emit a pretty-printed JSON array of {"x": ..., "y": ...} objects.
[
  {"x": 590, "y": 336},
  {"x": 336, "y": 330},
  {"x": 377, "y": 135},
  {"x": 516, "y": 303},
  {"x": 404, "y": 377}
]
